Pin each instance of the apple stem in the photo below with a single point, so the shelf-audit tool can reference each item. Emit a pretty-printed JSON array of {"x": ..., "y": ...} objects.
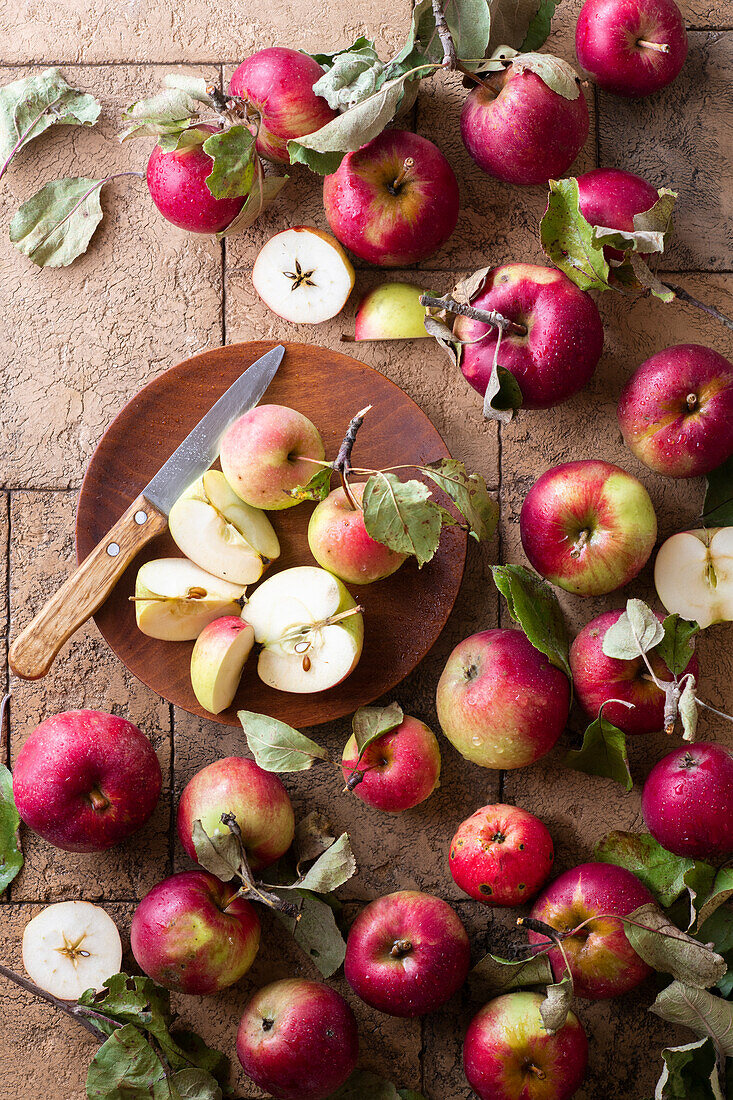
[
  {"x": 77, "y": 1012},
  {"x": 580, "y": 543},
  {"x": 683, "y": 296},
  {"x": 400, "y": 948},
  {"x": 691, "y": 401},
  {"x": 488, "y": 317},
  {"x": 658, "y": 47},
  {"x": 537, "y": 1072},
  {"x": 407, "y": 165},
  {"x": 713, "y": 710},
  {"x": 97, "y": 799},
  {"x": 342, "y": 465}
]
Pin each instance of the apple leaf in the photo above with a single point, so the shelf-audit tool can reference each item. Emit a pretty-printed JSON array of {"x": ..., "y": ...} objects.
[
  {"x": 316, "y": 932},
  {"x": 194, "y": 86},
  {"x": 677, "y": 647},
  {"x": 557, "y": 1004},
  {"x": 369, "y": 723},
  {"x": 532, "y": 604},
  {"x": 603, "y": 752},
  {"x": 182, "y": 139},
  {"x": 636, "y": 631},
  {"x": 30, "y": 106},
  {"x": 168, "y": 112},
  {"x": 401, "y": 515},
  {"x": 335, "y": 866},
  {"x": 469, "y": 22},
  {"x": 552, "y": 71},
  {"x": 263, "y": 192},
  {"x": 687, "y": 708},
  {"x": 662, "y": 945},
  {"x": 364, "y": 1084},
  {"x": 57, "y": 223},
  {"x": 125, "y": 1057},
  {"x": 568, "y": 239},
  {"x": 313, "y": 836},
  {"x": 718, "y": 930},
  {"x": 495, "y": 975},
  {"x": 646, "y": 279},
  {"x": 502, "y": 396},
  {"x": 276, "y": 746},
  {"x": 707, "y": 1015},
  {"x": 220, "y": 854},
  {"x": 717, "y": 511},
  {"x": 233, "y": 154},
  {"x": 11, "y": 855},
  {"x": 317, "y": 488},
  {"x": 651, "y": 231},
  {"x": 689, "y": 1072},
  {"x": 719, "y": 892},
  {"x": 469, "y": 494},
  {"x": 539, "y": 28},
  {"x": 351, "y": 75}
]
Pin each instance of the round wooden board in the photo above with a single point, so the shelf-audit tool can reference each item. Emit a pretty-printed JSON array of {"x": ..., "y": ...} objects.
[{"x": 403, "y": 615}]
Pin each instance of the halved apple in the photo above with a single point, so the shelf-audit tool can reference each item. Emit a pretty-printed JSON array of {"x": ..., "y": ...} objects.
[
  {"x": 175, "y": 599},
  {"x": 303, "y": 275},
  {"x": 693, "y": 575},
  {"x": 311, "y": 629},
  {"x": 213, "y": 527},
  {"x": 218, "y": 660}
]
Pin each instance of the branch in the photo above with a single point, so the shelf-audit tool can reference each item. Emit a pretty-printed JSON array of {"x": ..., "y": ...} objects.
[
  {"x": 71, "y": 1009},
  {"x": 486, "y": 316},
  {"x": 342, "y": 465},
  {"x": 683, "y": 296},
  {"x": 450, "y": 57}
]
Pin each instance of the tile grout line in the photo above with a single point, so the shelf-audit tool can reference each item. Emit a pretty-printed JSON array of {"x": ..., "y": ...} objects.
[
  {"x": 172, "y": 786},
  {"x": 500, "y": 555},
  {"x": 223, "y": 244}
]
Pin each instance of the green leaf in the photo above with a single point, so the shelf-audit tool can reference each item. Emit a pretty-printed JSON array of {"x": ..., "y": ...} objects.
[
  {"x": 510, "y": 23},
  {"x": 352, "y": 75},
  {"x": 689, "y": 1073},
  {"x": 502, "y": 396},
  {"x": 276, "y": 746},
  {"x": 568, "y": 239},
  {"x": 219, "y": 854},
  {"x": 717, "y": 511},
  {"x": 364, "y": 1084},
  {"x": 30, "y": 106},
  {"x": 557, "y": 1004},
  {"x": 317, "y": 488},
  {"x": 369, "y": 723},
  {"x": 401, "y": 515},
  {"x": 469, "y": 22},
  {"x": 662, "y": 945},
  {"x": 557, "y": 74},
  {"x": 193, "y": 86},
  {"x": 532, "y": 603},
  {"x": 193, "y": 1084},
  {"x": 409, "y": 1094},
  {"x": 677, "y": 647},
  {"x": 233, "y": 153},
  {"x": 495, "y": 975},
  {"x": 183, "y": 139},
  {"x": 707, "y": 1015},
  {"x": 645, "y": 278},
  {"x": 469, "y": 494},
  {"x": 264, "y": 191},
  {"x": 313, "y": 835},
  {"x": 331, "y": 870},
  {"x": 603, "y": 752},
  {"x": 717, "y": 929},
  {"x": 636, "y": 631},
  {"x": 538, "y": 30},
  {"x": 124, "y": 1067},
  {"x": 168, "y": 112},
  {"x": 326, "y": 60},
  {"x": 661, "y": 872},
  {"x": 11, "y": 855},
  {"x": 56, "y": 225},
  {"x": 316, "y": 932},
  {"x": 721, "y": 890}
]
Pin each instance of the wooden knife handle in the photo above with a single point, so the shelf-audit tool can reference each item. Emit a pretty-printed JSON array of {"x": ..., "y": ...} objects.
[{"x": 33, "y": 651}]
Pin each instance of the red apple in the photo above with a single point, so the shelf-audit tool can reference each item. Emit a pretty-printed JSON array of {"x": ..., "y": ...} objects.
[
  {"x": 278, "y": 83},
  {"x": 339, "y": 541},
  {"x": 85, "y": 780},
  {"x": 519, "y": 130},
  {"x": 508, "y": 1054},
  {"x": 564, "y": 339},
  {"x": 191, "y": 933},
  {"x": 598, "y": 678},
  {"x": 501, "y": 855},
  {"x": 257, "y": 799},
  {"x": 602, "y": 961},
  {"x": 631, "y": 47},
  {"x": 394, "y": 201},
  {"x": 688, "y": 801},
  {"x": 588, "y": 527},
  {"x": 297, "y": 1040},
  {"x": 407, "y": 954},
  {"x": 398, "y": 770},
  {"x": 611, "y": 197},
  {"x": 177, "y": 185},
  {"x": 676, "y": 411},
  {"x": 500, "y": 701}
]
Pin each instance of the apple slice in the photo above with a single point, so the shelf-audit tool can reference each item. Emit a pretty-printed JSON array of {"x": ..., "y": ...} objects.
[
  {"x": 70, "y": 947},
  {"x": 392, "y": 311},
  {"x": 218, "y": 659},
  {"x": 310, "y": 627},
  {"x": 693, "y": 575},
  {"x": 175, "y": 599},
  {"x": 303, "y": 275}
]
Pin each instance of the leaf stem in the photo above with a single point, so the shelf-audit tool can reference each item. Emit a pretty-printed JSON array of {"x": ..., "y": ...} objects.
[
  {"x": 487, "y": 317},
  {"x": 77, "y": 1012}
]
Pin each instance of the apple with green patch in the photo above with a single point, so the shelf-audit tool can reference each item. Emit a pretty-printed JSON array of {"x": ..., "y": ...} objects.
[
  {"x": 501, "y": 855},
  {"x": 267, "y": 452},
  {"x": 391, "y": 311},
  {"x": 339, "y": 541},
  {"x": 398, "y": 770},
  {"x": 175, "y": 599}
]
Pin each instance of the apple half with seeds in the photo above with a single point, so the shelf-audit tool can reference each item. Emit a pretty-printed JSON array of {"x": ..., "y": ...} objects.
[
  {"x": 175, "y": 599},
  {"x": 303, "y": 275},
  {"x": 693, "y": 575}
]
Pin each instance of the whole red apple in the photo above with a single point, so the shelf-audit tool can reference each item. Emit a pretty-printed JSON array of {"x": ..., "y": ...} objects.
[
  {"x": 598, "y": 678},
  {"x": 177, "y": 185},
  {"x": 398, "y": 770},
  {"x": 501, "y": 855},
  {"x": 688, "y": 801},
  {"x": 191, "y": 933},
  {"x": 631, "y": 47},
  {"x": 407, "y": 954},
  {"x": 500, "y": 701},
  {"x": 339, "y": 541},
  {"x": 297, "y": 1040},
  {"x": 508, "y": 1054},
  {"x": 562, "y": 345},
  {"x": 85, "y": 780},
  {"x": 257, "y": 799},
  {"x": 676, "y": 411},
  {"x": 611, "y": 197},
  {"x": 519, "y": 130},
  {"x": 602, "y": 961},
  {"x": 394, "y": 201},
  {"x": 278, "y": 83},
  {"x": 588, "y": 527}
]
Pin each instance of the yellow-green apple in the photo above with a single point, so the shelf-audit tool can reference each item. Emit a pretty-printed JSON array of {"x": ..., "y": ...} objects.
[
  {"x": 258, "y": 800},
  {"x": 501, "y": 855},
  {"x": 598, "y": 679},
  {"x": 391, "y": 311},
  {"x": 303, "y": 275},
  {"x": 278, "y": 83},
  {"x": 520, "y": 130},
  {"x": 688, "y": 802},
  {"x": 407, "y": 954},
  {"x": 561, "y": 348},
  {"x": 85, "y": 780},
  {"x": 70, "y": 947},
  {"x": 398, "y": 770},
  {"x": 217, "y": 531},
  {"x": 310, "y": 628},
  {"x": 218, "y": 659},
  {"x": 298, "y": 1040},
  {"x": 500, "y": 701},
  {"x": 588, "y": 527},
  {"x": 693, "y": 575},
  {"x": 177, "y": 185},
  {"x": 611, "y": 197},
  {"x": 175, "y": 599},
  {"x": 509, "y": 1055},
  {"x": 602, "y": 961},
  {"x": 394, "y": 201},
  {"x": 339, "y": 541},
  {"x": 676, "y": 411},
  {"x": 631, "y": 47},
  {"x": 191, "y": 933},
  {"x": 268, "y": 451}
]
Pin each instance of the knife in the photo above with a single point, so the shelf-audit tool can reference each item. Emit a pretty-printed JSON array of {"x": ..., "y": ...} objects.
[{"x": 33, "y": 651}]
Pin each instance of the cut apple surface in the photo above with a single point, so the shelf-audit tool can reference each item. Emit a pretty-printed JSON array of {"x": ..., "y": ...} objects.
[
  {"x": 693, "y": 575},
  {"x": 175, "y": 599},
  {"x": 310, "y": 627},
  {"x": 303, "y": 275},
  {"x": 218, "y": 659},
  {"x": 70, "y": 947}
]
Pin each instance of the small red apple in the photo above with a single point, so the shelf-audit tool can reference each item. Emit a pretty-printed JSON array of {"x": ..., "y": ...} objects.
[
  {"x": 398, "y": 770},
  {"x": 177, "y": 185},
  {"x": 501, "y": 855},
  {"x": 631, "y": 47},
  {"x": 688, "y": 802},
  {"x": 339, "y": 541},
  {"x": 611, "y": 197}
]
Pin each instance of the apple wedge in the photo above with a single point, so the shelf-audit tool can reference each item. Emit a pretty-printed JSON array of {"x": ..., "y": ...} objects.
[
  {"x": 213, "y": 527},
  {"x": 71, "y": 946},
  {"x": 310, "y": 627},
  {"x": 693, "y": 575},
  {"x": 175, "y": 599},
  {"x": 218, "y": 659}
]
